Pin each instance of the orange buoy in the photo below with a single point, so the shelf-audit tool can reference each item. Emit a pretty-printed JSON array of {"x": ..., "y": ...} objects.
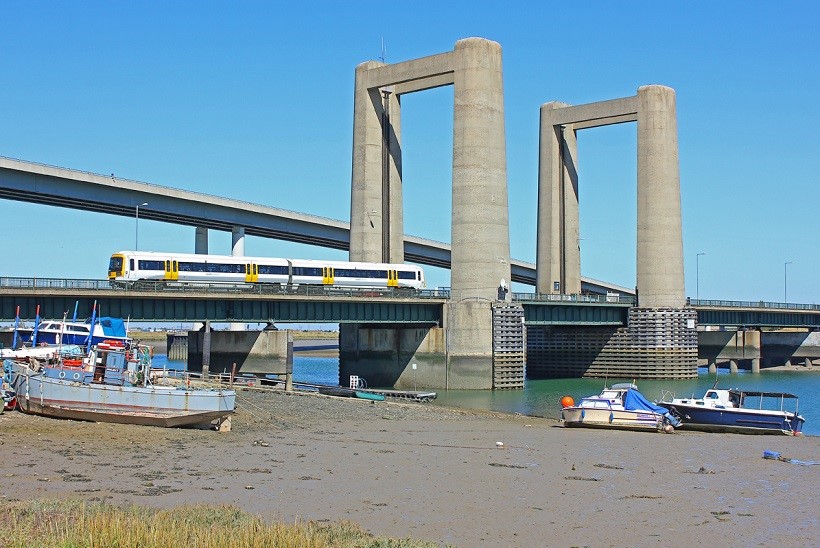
[{"x": 567, "y": 401}]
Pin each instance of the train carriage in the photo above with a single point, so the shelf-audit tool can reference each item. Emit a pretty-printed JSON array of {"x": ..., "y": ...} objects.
[{"x": 126, "y": 267}]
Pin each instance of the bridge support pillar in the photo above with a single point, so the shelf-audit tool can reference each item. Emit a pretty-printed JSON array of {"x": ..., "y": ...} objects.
[
  {"x": 712, "y": 366},
  {"x": 254, "y": 352},
  {"x": 755, "y": 365},
  {"x": 660, "y": 240},
  {"x": 480, "y": 256},
  {"x": 558, "y": 256},
  {"x": 237, "y": 250},
  {"x": 376, "y": 216},
  {"x": 201, "y": 241},
  {"x": 384, "y": 356},
  {"x": 238, "y": 241},
  {"x": 733, "y": 366}
]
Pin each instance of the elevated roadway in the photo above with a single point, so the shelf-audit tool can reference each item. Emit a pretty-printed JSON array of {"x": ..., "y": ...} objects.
[{"x": 62, "y": 187}]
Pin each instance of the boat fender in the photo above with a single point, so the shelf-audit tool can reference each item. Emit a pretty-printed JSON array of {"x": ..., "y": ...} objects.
[{"x": 62, "y": 374}]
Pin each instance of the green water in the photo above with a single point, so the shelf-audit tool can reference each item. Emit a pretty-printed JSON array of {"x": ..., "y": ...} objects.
[{"x": 542, "y": 397}]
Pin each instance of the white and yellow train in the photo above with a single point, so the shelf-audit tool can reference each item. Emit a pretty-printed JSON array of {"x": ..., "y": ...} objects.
[{"x": 132, "y": 266}]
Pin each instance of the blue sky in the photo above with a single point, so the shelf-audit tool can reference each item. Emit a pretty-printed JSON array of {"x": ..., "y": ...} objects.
[{"x": 254, "y": 101}]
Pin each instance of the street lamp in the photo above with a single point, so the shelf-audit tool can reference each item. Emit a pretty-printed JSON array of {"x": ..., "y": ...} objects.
[
  {"x": 697, "y": 274},
  {"x": 785, "y": 281},
  {"x": 137, "y": 226}
]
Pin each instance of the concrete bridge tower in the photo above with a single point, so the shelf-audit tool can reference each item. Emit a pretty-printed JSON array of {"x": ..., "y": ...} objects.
[
  {"x": 661, "y": 340},
  {"x": 480, "y": 223}
]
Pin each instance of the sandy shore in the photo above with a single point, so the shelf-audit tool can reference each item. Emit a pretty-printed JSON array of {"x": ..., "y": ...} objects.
[{"x": 432, "y": 473}]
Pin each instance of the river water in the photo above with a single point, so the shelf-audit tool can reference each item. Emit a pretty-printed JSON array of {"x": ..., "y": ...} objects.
[{"x": 542, "y": 397}]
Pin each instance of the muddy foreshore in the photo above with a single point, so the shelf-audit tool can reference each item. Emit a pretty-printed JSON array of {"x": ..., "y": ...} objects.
[{"x": 456, "y": 477}]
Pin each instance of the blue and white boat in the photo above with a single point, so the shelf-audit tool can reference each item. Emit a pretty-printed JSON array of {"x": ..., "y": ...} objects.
[
  {"x": 738, "y": 411},
  {"x": 620, "y": 406},
  {"x": 112, "y": 384},
  {"x": 75, "y": 332}
]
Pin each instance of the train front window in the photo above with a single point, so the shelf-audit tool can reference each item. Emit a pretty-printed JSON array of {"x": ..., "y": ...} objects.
[{"x": 115, "y": 264}]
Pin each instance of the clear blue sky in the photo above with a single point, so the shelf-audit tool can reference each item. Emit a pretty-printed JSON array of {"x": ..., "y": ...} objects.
[{"x": 254, "y": 101}]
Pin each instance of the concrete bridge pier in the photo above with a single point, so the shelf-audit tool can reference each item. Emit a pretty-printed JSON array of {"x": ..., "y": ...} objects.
[
  {"x": 238, "y": 241},
  {"x": 201, "y": 241},
  {"x": 480, "y": 249},
  {"x": 736, "y": 347},
  {"x": 660, "y": 340},
  {"x": 237, "y": 250},
  {"x": 755, "y": 365},
  {"x": 480, "y": 224}
]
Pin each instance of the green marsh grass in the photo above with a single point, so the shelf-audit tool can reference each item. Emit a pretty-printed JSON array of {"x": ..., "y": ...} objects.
[{"x": 70, "y": 524}]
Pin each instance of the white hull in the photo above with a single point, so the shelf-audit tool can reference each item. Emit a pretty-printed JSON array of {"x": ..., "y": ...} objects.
[{"x": 586, "y": 417}]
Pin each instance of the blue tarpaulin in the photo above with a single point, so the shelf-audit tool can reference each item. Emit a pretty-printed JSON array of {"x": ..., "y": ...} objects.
[
  {"x": 113, "y": 327},
  {"x": 635, "y": 401}
]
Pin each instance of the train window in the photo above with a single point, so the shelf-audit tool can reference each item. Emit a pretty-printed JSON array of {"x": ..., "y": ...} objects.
[
  {"x": 272, "y": 269},
  {"x": 131, "y": 263},
  {"x": 306, "y": 271},
  {"x": 225, "y": 268},
  {"x": 115, "y": 264},
  {"x": 407, "y": 275},
  {"x": 151, "y": 265},
  {"x": 356, "y": 273}
]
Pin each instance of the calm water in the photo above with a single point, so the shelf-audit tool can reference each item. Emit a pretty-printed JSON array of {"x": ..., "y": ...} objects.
[{"x": 542, "y": 397}]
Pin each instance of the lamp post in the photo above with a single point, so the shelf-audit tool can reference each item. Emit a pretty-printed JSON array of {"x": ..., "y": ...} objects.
[
  {"x": 697, "y": 274},
  {"x": 785, "y": 281},
  {"x": 137, "y": 226}
]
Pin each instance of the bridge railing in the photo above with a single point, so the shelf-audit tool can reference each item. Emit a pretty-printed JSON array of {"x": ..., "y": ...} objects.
[
  {"x": 52, "y": 283},
  {"x": 578, "y": 298},
  {"x": 753, "y": 304},
  {"x": 219, "y": 288}
]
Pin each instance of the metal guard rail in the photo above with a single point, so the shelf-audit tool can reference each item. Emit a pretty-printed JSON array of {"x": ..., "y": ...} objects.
[
  {"x": 317, "y": 290},
  {"x": 752, "y": 304},
  {"x": 62, "y": 284},
  {"x": 586, "y": 298}
]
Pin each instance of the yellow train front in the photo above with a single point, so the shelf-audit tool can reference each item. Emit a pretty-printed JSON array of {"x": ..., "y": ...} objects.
[{"x": 128, "y": 267}]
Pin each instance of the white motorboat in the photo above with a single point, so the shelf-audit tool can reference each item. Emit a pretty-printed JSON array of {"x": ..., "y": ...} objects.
[{"x": 620, "y": 406}]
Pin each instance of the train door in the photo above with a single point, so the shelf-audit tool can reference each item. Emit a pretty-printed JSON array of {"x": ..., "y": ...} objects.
[
  {"x": 171, "y": 270},
  {"x": 392, "y": 278},
  {"x": 251, "y": 272},
  {"x": 327, "y": 275}
]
